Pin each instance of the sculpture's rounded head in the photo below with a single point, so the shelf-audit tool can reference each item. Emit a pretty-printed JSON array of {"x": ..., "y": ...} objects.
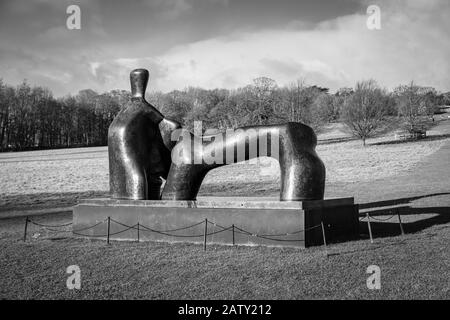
[{"x": 138, "y": 80}]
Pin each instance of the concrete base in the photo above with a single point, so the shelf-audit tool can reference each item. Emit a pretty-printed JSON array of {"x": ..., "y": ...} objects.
[{"x": 257, "y": 221}]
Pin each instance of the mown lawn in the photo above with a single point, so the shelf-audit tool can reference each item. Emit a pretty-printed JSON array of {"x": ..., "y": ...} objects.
[
  {"x": 59, "y": 178},
  {"x": 413, "y": 266}
]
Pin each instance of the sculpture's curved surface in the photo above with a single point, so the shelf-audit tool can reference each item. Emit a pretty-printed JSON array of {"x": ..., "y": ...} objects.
[
  {"x": 139, "y": 145},
  {"x": 145, "y": 147},
  {"x": 292, "y": 144}
]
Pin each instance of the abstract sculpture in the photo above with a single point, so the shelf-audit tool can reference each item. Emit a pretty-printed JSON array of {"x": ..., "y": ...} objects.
[
  {"x": 139, "y": 145},
  {"x": 144, "y": 147}
]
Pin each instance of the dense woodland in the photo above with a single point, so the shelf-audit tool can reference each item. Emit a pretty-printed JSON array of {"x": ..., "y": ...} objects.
[{"x": 31, "y": 118}]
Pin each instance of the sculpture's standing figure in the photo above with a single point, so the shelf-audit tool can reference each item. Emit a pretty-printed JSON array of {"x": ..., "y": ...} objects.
[{"x": 139, "y": 145}]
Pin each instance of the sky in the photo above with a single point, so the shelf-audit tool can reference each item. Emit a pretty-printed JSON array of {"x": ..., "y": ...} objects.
[{"x": 223, "y": 43}]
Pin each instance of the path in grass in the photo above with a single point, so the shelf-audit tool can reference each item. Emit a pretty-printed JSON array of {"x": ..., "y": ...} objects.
[{"x": 430, "y": 176}]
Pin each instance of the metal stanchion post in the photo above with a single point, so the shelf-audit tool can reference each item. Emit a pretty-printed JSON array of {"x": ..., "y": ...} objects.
[
  {"x": 25, "y": 230},
  {"x": 138, "y": 231},
  {"x": 109, "y": 224},
  {"x": 370, "y": 229},
  {"x": 206, "y": 232},
  {"x": 233, "y": 234},
  {"x": 400, "y": 222},
  {"x": 324, "y": 239}
]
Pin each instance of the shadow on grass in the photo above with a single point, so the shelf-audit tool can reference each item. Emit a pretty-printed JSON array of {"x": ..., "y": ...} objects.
[
  {"x": 46, "y": 200},
  {"x": 336, "y": 140},
  {"x": 428, "y": 138},
  {"x": 394, "y": 202},
  {"x": 385, "y": 230},
  {"x": 391, "y": 227},
  {"x": 385, "y": 222}
]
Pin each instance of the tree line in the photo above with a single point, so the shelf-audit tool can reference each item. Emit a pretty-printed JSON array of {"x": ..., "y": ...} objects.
[{"x": 32, "y": 118}]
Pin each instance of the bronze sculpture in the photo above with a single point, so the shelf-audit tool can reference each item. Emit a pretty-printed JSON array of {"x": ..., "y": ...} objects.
[
  {"x": 139, "y": 145},
  {"x": 145, "y": 147}
]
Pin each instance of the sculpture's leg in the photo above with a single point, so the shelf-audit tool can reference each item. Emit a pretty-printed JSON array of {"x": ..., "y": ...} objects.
[
  {"x": 134, "y": 183},
  {"x": 130, "y": 177},
  {"x": 183, "y": 182},
  {"x": 302, "y": 178},
  {"x": 129, "y": 182},
  {"x": 302, "y": 173}
]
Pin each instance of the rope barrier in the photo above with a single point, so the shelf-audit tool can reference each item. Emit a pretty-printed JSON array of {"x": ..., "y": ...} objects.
[
  {"x": 369, "y": 217},
  {"x": 239, "y": 230},
  {"x": 289, "y": 233},
  {"x": 105, "y": 235},
  {"x": 76, "y": 232},
  {"x": 91, "y": 227},
  {"x": 114, "y": 233},
  {"x": 55, "y": 230},
  {"x": 377, "y": 219},
  {"x": 169, "y": 232},
  {"x": 184, "y": 236},
  {"x": 269, "y": 237},
  {"x": 49, "y": 226},
  {"x": 266, "y": 235}
]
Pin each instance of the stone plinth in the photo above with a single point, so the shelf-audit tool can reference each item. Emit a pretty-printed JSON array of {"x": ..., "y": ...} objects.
[{"x": 287, "y": 223}]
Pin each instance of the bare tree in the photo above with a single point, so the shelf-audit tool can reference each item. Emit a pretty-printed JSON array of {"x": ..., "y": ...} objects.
[
  {"x": 326, "y": 107},
  {"x": 30, "y": 117},
  {"x": 299, "y": 103},
  {"x": 413, "y": 103},
  {"x": 364, "y": 111},
  {"x": 262, "y": 97}
]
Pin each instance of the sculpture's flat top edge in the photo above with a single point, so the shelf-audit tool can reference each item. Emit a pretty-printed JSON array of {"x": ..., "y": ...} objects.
[{"x": 223, "y": 202}]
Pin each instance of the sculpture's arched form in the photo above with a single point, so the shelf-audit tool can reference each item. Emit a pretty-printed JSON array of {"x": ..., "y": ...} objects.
[
  {"x": 142, "y": 150},
  {"x": 302, "y": 172}
]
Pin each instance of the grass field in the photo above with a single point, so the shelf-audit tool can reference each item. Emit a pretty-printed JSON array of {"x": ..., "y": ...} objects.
[
  {"x": 58, "y": 178},
  {"x": 413, "y": 266}
]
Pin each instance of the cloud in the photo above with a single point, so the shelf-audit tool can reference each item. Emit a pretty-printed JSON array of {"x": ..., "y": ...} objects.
[
  {"x": 115, "y": 73},
  {"x": 412, "y": 45},
  {"x": 170, "y": 9}
]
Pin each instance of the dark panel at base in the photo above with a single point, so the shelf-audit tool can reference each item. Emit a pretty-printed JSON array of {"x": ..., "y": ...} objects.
[{"x": 275, "y": 223}]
